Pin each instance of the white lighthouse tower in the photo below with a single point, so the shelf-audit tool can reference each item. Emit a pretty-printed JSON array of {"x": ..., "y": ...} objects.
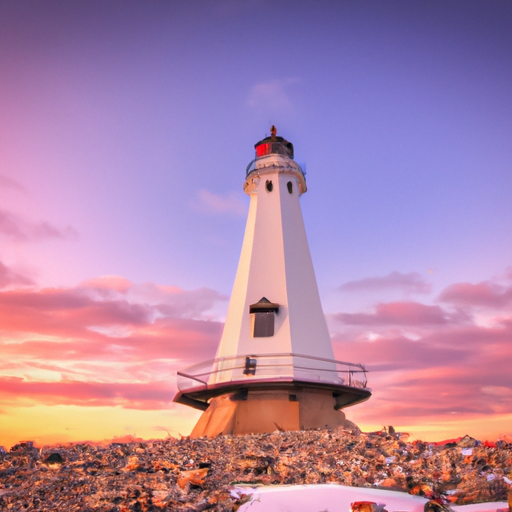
[{"x": 275, "y": 367}]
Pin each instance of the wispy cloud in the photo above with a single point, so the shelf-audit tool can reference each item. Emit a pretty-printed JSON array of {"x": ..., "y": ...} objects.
[
  {"x": 403, "y": 313},
  {"x": 272, "y": 95},
  {"x": 485, "y": 294},
  {"x": 410, "y": 283},
  {"x": 6, "y": 182},
  {"x": 164, "y": 339},
  {"x": 107, "y": 285},
  {"x": 21, "y": 230},
  {"x": 10, "y": 278},
  {"x": 230, "y": 203},
  {"x": 133, "y": 395}
]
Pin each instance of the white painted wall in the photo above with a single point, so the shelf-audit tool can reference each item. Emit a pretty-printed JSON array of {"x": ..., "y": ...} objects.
[{"x": 275, "y": 263}]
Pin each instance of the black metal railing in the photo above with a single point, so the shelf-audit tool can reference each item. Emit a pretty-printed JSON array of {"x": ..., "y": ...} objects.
[
  {"x": 261, "y": 159},
  {"x": 277, "y": 367}
]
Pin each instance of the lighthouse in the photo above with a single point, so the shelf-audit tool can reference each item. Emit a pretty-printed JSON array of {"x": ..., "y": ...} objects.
[{"x": 275, "y": 365}]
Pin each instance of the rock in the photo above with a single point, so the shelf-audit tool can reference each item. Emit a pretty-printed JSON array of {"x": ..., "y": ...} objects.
[
  {"x": 366, "y": 506},
  {"x": 435, "y": 506},
  {"x": 467, "y": 442},
  {"x": 197, "y": 474},
  {"x": 54, "y": 458}
]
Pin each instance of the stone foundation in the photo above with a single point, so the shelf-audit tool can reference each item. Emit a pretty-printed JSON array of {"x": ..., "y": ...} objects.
[{"x": 261, "y": 411}]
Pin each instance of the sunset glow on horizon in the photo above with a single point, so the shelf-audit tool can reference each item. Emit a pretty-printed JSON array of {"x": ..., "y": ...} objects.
[{"x": 126, "y": 130}]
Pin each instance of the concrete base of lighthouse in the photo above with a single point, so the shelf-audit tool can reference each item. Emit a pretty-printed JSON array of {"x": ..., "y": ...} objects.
[{"x": 261, "y": 411}]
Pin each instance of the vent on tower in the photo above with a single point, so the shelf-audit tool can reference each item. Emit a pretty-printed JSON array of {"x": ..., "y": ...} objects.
[{"x": 264, "y": 313}]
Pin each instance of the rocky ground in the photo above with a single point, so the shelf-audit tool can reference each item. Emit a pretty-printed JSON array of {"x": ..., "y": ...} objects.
[{"x": 199, "y": 474}]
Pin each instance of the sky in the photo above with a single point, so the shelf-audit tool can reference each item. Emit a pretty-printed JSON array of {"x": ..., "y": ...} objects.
[{"x": 126, "y": 128}]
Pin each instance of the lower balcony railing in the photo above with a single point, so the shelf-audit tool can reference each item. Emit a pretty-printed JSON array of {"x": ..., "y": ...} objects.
[{"x": 278, "y": 367}]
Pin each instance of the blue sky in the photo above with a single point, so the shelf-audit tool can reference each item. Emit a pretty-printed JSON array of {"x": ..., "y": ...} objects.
[{"x": 127, "y": 126}]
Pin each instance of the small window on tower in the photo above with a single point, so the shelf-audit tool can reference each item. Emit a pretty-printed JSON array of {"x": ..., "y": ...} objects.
[
  {"x": 263, "y": 325},
  {"x": 290, "y": 187},
  {"x": 264, "y": 313},
  {"x": 269, "y": 185}
]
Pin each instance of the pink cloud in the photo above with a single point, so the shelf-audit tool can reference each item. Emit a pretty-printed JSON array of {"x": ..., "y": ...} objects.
[
  {"x": 6, "y": 182},
  {"x": 485, "y": 294},
  {"x": 8, "y": 277},
  {"x": 443, "y": 392},
  {"x": 401, "y": 313},
  {"x": 425, "y": 362},
  {"x": 452, "y": 371},
  {"x": 271, "y": 95},
  {"x": 174, "y": 301},
  {"x": 411, "y": 283},
  {"x": 174, "y": 338},
  {"x": 106, "y": 284},
  {"x": 169, "y": 301},
  {"x": 398, "y": 353},
  {"x": 73, "y": 310},
  {"x": 430, "y": 364},
  {"x": 151, "y": 395},
  {"x": 67, "y": 312},
  {"x": 56, "y": 331},
  {"x": 232, "y": 202},
  {"x": 78, "y": 306},
  {"x": 22, "y": 230}
]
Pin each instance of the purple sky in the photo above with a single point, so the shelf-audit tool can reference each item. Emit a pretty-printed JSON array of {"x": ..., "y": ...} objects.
[{"x": 126, "y": 128}]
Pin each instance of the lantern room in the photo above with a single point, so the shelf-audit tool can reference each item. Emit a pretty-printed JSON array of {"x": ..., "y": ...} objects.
[{"x": 273, "y": 145}]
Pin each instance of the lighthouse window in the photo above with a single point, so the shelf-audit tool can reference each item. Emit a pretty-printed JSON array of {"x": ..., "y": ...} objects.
[
  {"x": 263, "y": 324},
  {"x": 263, "y": 315},
  {"x": 269, "y": 185},
  {"x": 290, "y": 187}
]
